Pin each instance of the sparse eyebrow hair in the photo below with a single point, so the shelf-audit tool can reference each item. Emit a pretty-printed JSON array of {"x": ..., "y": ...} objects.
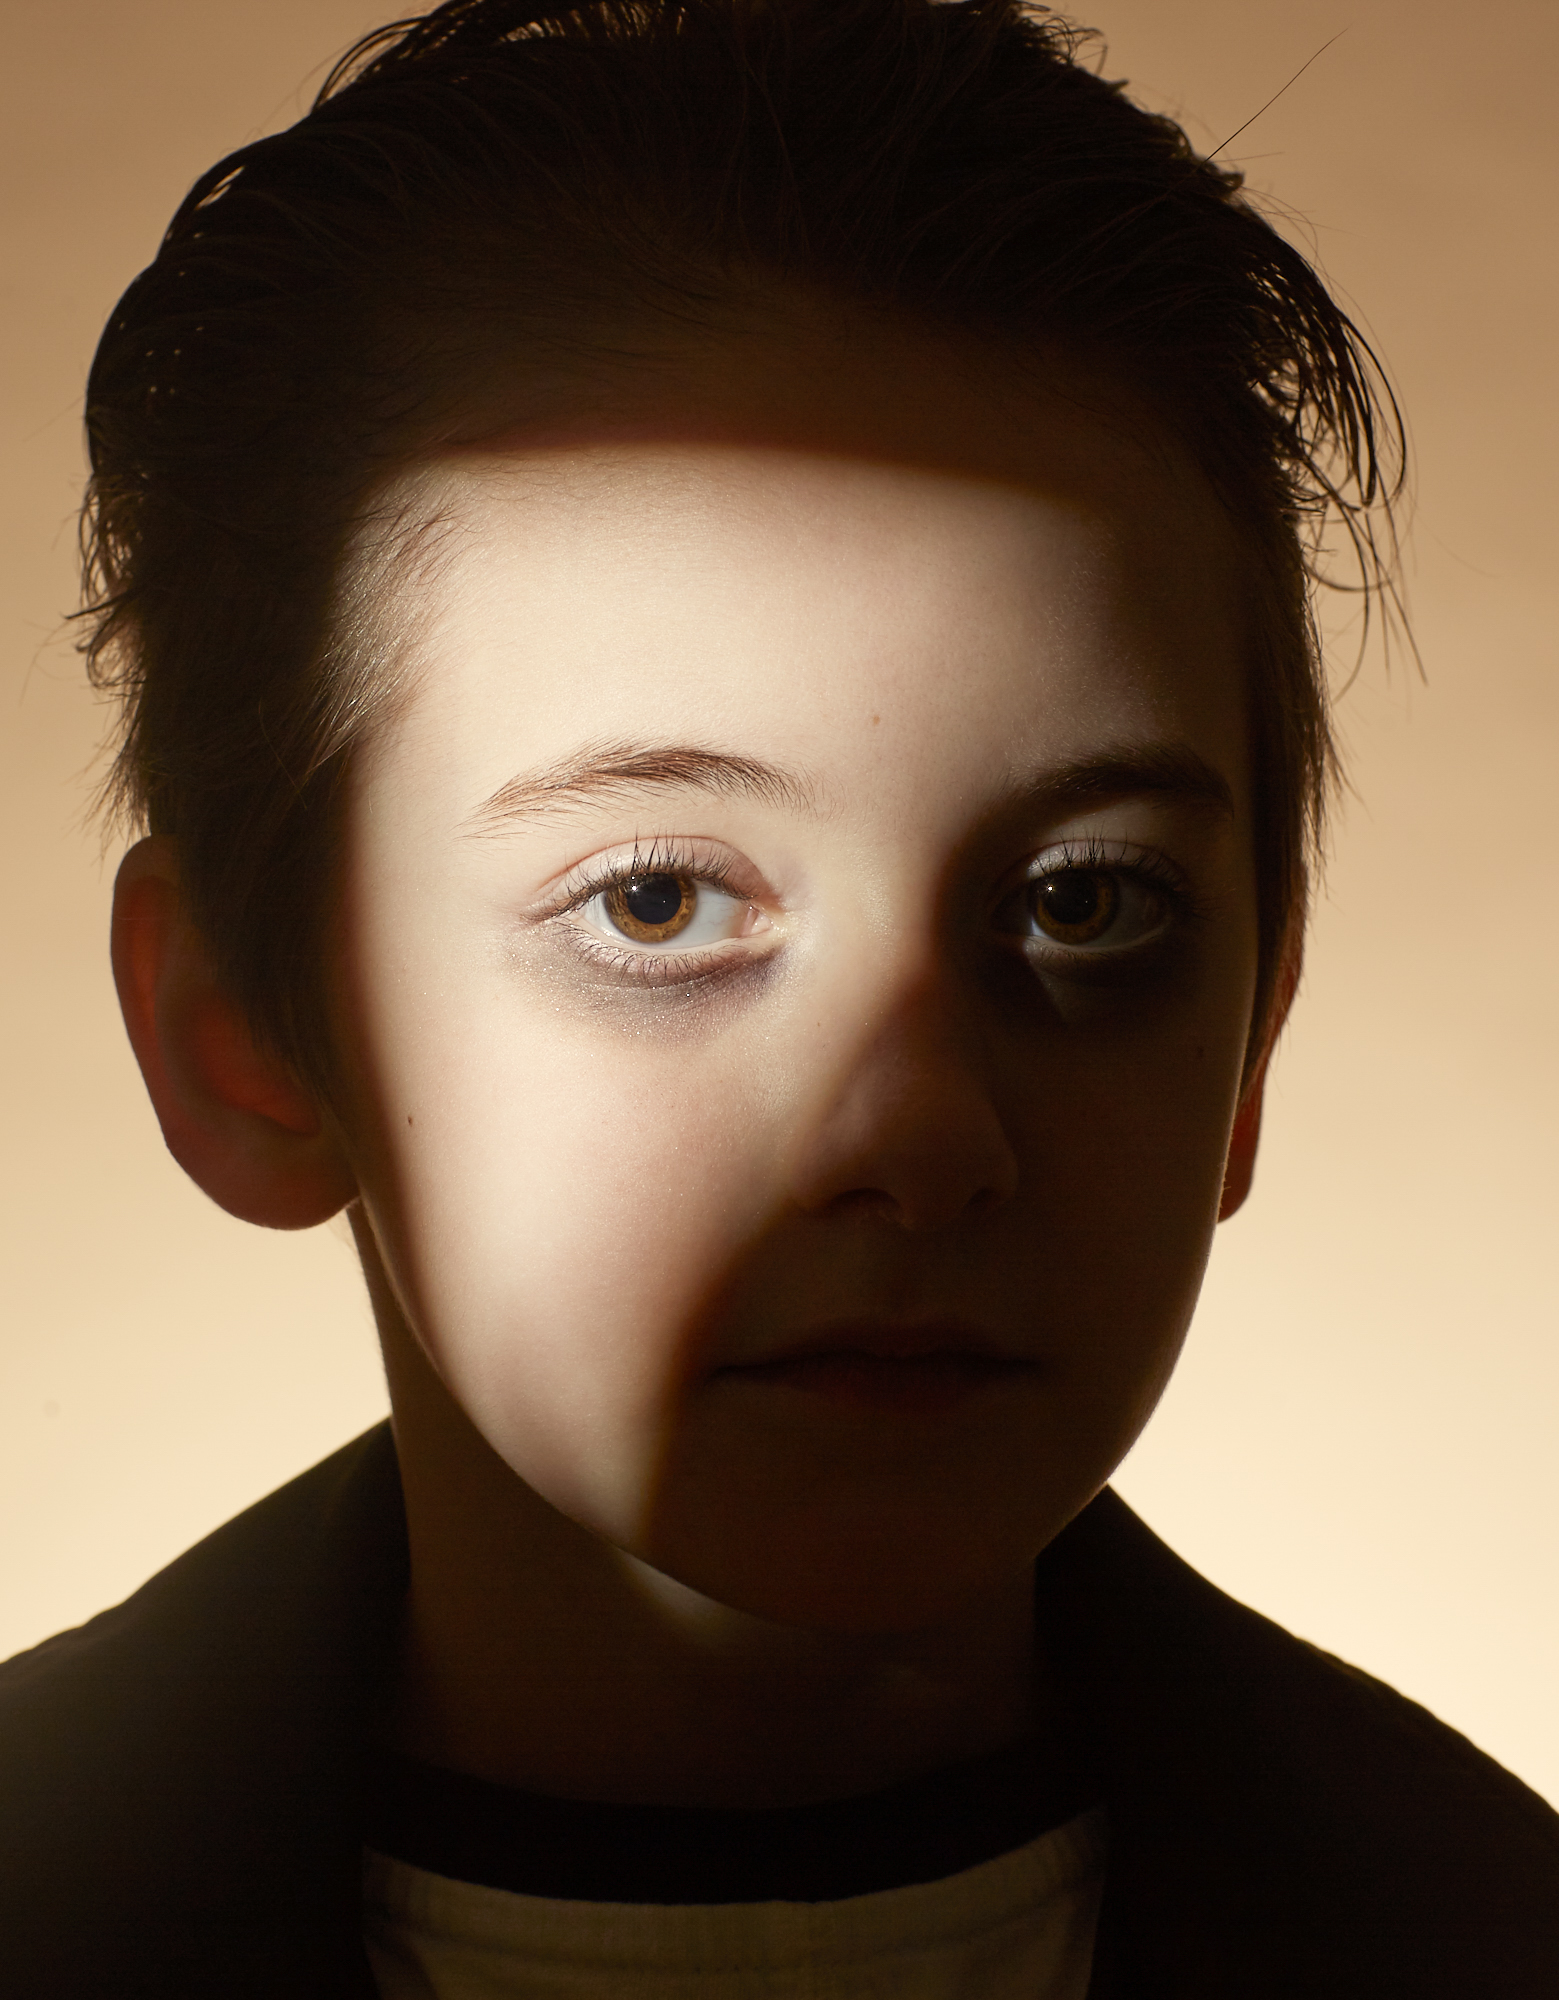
[
  {"x": 1132, "y": 770},
  {"x": 607, "y": 771}
]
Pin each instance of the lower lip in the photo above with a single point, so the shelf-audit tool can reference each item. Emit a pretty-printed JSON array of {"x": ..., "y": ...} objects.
[{"x": 922, "y": 1385}]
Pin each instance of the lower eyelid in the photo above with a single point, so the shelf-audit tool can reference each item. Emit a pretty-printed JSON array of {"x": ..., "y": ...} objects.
[
  {"x": 654, "y": 969},
  {"x": 1055, "y": 948}
]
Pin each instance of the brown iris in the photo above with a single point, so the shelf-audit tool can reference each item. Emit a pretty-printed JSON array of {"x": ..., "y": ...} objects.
[
  {"x": 1075, "y": 905},
  {"x": 651, "y": 909}
]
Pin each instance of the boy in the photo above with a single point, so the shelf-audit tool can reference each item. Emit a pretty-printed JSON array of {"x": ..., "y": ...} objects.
[{"x": 713, "y": 620}]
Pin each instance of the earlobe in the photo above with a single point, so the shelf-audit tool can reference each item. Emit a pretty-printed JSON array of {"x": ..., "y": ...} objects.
[
  {"x": 1240, "y": 1165},
  {"x": 234, "y": 1118},
  {"x": 1239, "y": 1168}
]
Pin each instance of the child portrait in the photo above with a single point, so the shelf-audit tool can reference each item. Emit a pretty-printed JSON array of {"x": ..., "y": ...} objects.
[{"x": 727, "y": 656}]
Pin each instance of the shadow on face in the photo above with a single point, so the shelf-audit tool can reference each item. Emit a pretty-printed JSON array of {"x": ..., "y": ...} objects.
[{"x": 798, "y": 951}]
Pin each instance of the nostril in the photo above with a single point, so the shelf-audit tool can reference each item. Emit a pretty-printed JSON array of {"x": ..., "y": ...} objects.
[
  {"x": 864, "y": 1201},
  {"x": 913, "y": 1207}
]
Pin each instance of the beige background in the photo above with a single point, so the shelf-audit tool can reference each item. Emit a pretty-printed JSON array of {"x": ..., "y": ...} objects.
[{"x": 1360, "y": 1441}]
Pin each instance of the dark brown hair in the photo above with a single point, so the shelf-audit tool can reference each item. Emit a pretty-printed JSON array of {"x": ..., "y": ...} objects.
[{"x": 532, "y": 181}]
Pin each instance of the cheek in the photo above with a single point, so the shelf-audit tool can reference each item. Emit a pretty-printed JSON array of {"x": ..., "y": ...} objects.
[
  {"x": 555, "y": 1209},
  {"x": 1124, "y": 1139},
  {"x": 1133, "y": 1162}
]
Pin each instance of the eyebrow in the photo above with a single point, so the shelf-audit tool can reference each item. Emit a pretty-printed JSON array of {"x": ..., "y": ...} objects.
[
  {"x": 606, "y": 773},
  {"x": 1147, "y": 770}
]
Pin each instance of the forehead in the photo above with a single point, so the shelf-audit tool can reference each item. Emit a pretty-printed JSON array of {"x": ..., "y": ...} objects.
[{"x": 813, "y": 539}]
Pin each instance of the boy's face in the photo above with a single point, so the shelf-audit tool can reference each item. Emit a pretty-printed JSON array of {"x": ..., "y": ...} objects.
[{"x": 797, "y": 965}]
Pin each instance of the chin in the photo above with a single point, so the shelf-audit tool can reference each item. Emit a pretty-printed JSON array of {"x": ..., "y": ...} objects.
[{"x": 852, "y": 1570}]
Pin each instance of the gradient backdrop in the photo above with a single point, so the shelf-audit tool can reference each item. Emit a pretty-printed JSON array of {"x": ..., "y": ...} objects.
[{"x": 1361, "y": 1440}]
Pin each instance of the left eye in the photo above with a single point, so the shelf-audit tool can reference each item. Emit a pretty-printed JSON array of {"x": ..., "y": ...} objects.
[
  {"x": 664, "y": 908},
  {"x": 1079, "y": 907}
]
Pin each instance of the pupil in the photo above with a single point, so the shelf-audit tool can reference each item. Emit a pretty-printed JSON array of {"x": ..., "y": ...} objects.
[
  {"x": 653, "y": 900},
  {"x": 1071, "y": 899}
]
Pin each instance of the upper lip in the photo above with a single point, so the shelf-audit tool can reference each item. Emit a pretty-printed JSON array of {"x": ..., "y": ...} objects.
[{"x": 884, "y": 1340}]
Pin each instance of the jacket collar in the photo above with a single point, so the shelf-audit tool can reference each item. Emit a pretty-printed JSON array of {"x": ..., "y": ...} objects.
[{"x": 213, "y": 1732}]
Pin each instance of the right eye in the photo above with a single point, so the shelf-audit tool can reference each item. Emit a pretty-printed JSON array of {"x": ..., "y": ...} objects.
[
  {"x": 651, "y": 909},
  {"x": 663, "y": 907}
]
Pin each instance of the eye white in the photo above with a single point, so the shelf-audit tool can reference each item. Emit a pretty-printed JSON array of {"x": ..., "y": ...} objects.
[
  {"x": 1139, "y": 913},
  {"x": 717, "y": 916}
]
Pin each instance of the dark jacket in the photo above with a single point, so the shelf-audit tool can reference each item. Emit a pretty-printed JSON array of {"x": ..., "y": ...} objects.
[{"x": 179, "y": 1782}]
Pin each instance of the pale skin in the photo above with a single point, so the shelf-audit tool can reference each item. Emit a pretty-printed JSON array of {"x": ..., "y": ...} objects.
[{"x": 907, "y": 668}]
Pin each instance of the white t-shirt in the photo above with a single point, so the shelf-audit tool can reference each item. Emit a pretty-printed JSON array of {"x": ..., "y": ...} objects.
[{"x": 1021, "y": 1924}]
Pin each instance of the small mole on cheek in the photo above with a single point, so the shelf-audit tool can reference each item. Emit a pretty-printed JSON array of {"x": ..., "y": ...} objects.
[
  {"x": 408, "y": 1118},
  {"x": 876, "y": 718}
]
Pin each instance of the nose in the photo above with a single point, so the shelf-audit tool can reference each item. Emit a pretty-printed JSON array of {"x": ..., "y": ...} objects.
[{"x": 910, "y": 1129}]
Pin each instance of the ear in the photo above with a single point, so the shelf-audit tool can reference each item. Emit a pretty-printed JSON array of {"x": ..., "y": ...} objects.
[
  {"x": 1239, "y": 1169},
  {"x": 235, "y": 1119},
  {"x": 1240, "y": 1165}
]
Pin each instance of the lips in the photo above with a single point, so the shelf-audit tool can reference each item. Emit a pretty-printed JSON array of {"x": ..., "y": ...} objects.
[{"x": 916, "y": 1370}]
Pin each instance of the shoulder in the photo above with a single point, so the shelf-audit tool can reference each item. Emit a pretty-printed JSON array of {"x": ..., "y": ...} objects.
[
  {"x": 1282, "y": 1824},
  {"x": 1350, "y": 1842},
  {"x": 281, "y": 1588},
  {"x": 204, "y": 1734}
]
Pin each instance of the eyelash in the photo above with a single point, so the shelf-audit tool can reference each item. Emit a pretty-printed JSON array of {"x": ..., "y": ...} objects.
[
  {"x": 1088, "y": 855},
  {"x": 1164, "y": 882},
  {"x": 1093, "y": 855},
  {"x": 661, "y": 857}
]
